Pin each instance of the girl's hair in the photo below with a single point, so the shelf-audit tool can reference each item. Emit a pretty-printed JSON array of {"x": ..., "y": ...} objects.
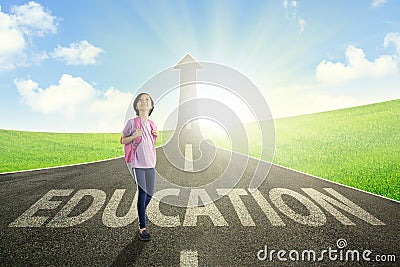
[{"x": 137, "y": 100}]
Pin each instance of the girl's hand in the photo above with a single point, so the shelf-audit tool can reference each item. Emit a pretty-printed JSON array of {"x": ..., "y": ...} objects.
[
  {"x": 155, "y": 132},
  {"x": 138, "y": 132}
]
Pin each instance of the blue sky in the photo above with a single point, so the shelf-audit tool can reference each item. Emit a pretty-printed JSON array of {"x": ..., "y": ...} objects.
[{"x": 74, "y": 66}]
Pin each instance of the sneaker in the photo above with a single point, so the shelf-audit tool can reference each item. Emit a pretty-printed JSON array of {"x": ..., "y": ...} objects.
[{"x": 144, "y": 236}]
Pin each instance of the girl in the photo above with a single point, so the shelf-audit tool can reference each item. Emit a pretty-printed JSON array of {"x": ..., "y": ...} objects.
[{"x": 144, "y": 159}]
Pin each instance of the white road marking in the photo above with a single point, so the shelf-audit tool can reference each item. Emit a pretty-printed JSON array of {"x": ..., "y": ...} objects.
[
  {"x": 238, "y": 205},
  {"x": 189, "y": 258},
  {"x": 63, "y": 220},
  {"x": 110, "y": 218},
  {"x": 315, "y": 218},
  {"x": 209, "y": 209},
  {"x": 154, "y": 212},
  {"x": 27, "y": 219},
  {"x": 326, "y": 202},
  {"x": 188, "y": 158},
  {"x": 331, "y": 204},
  {"x": 272, "y": 216}
]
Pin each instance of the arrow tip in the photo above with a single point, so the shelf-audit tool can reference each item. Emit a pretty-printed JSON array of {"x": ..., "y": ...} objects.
[{"x": 190, "y": 61}]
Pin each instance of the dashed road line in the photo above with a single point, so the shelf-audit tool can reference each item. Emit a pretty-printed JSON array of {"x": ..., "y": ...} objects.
[
  {"x": 188, "y": 158},
  {"x": 189, "y": 258}
]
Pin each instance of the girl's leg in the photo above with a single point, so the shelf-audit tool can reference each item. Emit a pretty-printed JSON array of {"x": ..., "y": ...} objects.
[
  {"x": 141, "y": 203},
  {"x": 150, "y": 177}
]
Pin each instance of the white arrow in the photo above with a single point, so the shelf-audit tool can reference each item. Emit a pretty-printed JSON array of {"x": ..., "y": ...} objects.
[{"x": 188, "y": 67}]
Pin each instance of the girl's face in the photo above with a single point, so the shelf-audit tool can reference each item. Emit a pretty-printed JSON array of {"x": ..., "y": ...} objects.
[{"x": 144, "y": 103}]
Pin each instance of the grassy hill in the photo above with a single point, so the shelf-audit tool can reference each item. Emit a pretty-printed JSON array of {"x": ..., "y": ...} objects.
[
  {"x": 31, "y": 150},
  {"x": 359, "y": 147}
]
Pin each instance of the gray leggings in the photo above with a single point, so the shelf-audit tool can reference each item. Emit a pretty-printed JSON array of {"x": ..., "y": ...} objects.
[{"x": 145, "y": 181}]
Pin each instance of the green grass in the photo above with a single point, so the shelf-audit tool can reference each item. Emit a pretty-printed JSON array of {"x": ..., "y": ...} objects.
[
  {"x": 22, "y": 150},
  {"x": 359, "y": 147},
  {"x": 31, "y": 150}
]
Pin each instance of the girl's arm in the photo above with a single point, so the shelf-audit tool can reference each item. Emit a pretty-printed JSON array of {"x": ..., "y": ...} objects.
[{"x": 128, "y": 139}]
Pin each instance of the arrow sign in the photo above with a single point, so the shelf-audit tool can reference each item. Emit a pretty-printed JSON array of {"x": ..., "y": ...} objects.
[{"x": 188, "y": 67}]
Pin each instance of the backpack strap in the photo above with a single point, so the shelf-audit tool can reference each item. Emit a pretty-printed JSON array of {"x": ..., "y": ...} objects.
[
  {"x": 137, "y": 123},
  {"x": 152, "y": 126}
]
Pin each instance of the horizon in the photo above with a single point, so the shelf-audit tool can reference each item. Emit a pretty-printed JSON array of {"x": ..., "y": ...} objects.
[{"x": 207, "y": 127}]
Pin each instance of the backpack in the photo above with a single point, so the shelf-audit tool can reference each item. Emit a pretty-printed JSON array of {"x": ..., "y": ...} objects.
[{"x": 130, "y": 148}]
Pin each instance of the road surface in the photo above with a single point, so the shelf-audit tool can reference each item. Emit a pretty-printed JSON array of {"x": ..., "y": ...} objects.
[{"x": 84, "y": 215}]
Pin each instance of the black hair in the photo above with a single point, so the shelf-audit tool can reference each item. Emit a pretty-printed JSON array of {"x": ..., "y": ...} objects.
[{"x": 137, "y": 100}]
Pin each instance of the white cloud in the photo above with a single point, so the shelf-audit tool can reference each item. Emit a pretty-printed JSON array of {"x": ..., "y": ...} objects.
[
  {"x": 357, "y": 67},
  {"x": 109, "y": 110},
  {"x": 378, "y": 3},
  {"x": 11, "y": 41},
  {"x": 306, "y": 99},
  {"x": 77, "y": 101},
  {"x": 33, "y": 19},
  {"x": 67, "y": 98},
  {"x": 302, "y": 24},
  {"x": 392, "y": 37},
  {"x": 291, "y": 14},
  {"x": 82, "y": 53},
  {"x": 16, "y": 30}
]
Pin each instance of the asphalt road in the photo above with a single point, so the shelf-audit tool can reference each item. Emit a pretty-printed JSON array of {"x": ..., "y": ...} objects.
[{"x": 285, "y": 214}]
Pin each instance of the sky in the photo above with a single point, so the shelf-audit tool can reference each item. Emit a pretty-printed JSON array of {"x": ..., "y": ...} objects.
[{"x": 75, "y": 66}]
